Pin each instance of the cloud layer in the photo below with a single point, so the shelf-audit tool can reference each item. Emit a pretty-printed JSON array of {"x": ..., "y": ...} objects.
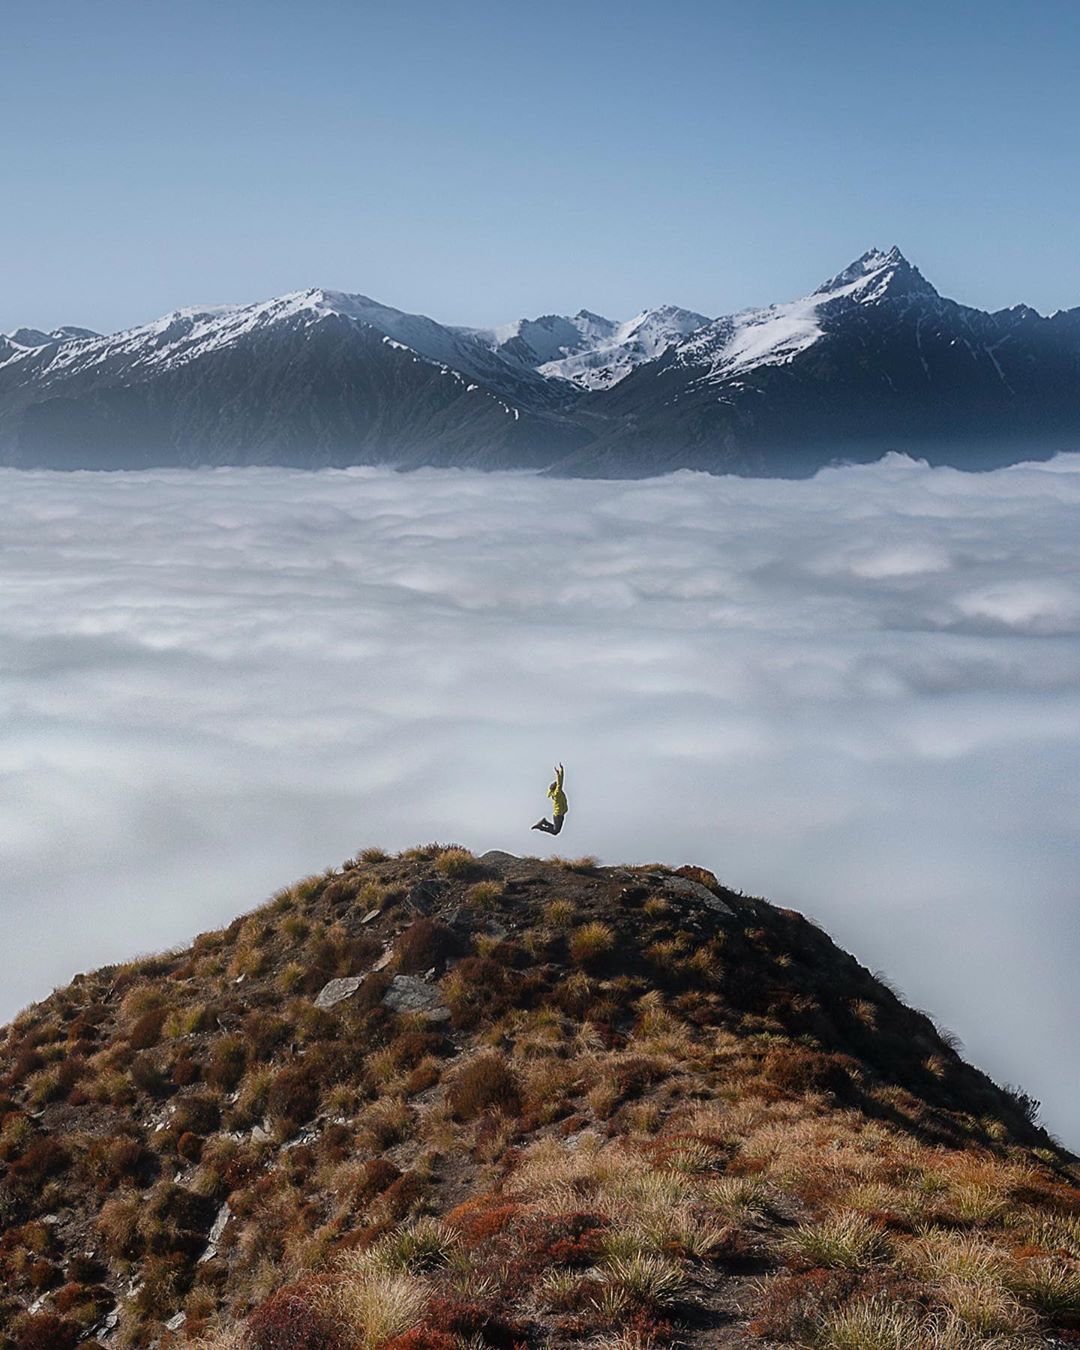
[{"x": 858, "y": 695}]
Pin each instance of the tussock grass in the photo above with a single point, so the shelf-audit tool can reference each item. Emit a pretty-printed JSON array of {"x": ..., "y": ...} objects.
[
  {"x": 653, "y": 1280},
  {"x": 843, "y": 1241},
  {"x": 945, "y": 1254},
  {"x": 1049, "y": 1286},
  {"x": 456, "y": 863},
  {"x": 560, "y": 912},
  {"x": 738, "y": 1197},
  {"x": 372, "y": 1306},
  {"x": 986, "y": 1307},
  {"x": 484, "y": 894},
  {"x": 692, "y": 1155},
  {"x": 590, "y": 943},
  {"x": 1056, "y": 1233},
  {"x": 873, "y": 1324},
  {"x": 412, "y": 1248}
]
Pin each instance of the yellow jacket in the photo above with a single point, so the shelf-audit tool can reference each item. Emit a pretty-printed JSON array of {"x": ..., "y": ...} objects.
[{"x": 557, "y": 795}]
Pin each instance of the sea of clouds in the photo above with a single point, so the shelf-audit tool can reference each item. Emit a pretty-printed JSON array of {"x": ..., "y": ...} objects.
[{"x": 857, "y": 695}]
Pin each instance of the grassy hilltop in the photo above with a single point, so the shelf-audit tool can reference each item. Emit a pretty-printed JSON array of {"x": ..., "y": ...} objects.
[{"x": 432, "y": 1102}]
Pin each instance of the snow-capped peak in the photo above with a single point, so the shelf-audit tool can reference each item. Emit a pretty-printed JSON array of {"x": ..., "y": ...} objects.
[
  {"x": 186, "y": 334},
  {"x": 779, "y": 333},
  {"x": 610, "y": 357},
  {"x": 877, "y": 274},
  {"x": 588, "y": 349},
  {"x": 550, "y": 337},
  {"x": 35, "y": 337}
]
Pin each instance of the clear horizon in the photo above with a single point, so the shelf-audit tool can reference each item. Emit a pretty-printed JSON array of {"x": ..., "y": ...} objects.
[{"x": 483, "y": 163}]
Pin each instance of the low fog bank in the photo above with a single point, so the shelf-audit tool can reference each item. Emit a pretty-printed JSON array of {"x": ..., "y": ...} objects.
[{"x": 858, "y": 695}]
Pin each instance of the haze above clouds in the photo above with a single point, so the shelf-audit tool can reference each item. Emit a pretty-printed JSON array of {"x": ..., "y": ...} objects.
[{"x": 858, "y": 695}]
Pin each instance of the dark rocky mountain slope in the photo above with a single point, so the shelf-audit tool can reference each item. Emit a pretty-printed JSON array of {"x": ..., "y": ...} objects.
[
  {"x": 434, "y": 1101},
  {"x": 874, "y": 360}
]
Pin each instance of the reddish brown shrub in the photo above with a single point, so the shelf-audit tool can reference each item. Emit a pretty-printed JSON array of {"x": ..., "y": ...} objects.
[
  {"x": 197, "y": 1113},
  {"x": 226, "y": 1062},
  {"x": 44, "y": 1157},
  {"x": 291, "y": 1320},
  {"x": 401, "y": 1197},
  {"x": 482, "y": 1217},
  {"x": 83, "y": 1303},
  {"x": 564, "y": 1239},
  {"x": 63, "y": 1079},
  {"x": 264, "y": 1033},
  {"x": 315, "y": 1024},
  {"x": 45, "y": 1331},
  {"x": 421, "y": 1078},
  {"x": 27, "y": 1061},
  {"x": 512, "y": 955},
  {"x": 634, "y": 1075},
  {"x": 377, "y": 1175},
  {"x": 370, "y": 994},
  {"x": 335, "y": 1142},
  {"x": 237, "y": 1166},
  {"x": 108, "y": 1162},
  {"x": 792, "y": 1306},
  {"x": 485, "y": 1083},
  {"x": 66, "y": 1298},
  {"x": 334, "y": 1062},
  {"x": 483, "y": 991},
  {"x": 43, "y": 1274},
  {"x": 424, "y": 944},
  {"x": 185, "y": 1071},
  {"x": 798, "y": 1070},
  {"x": 146, "y": 1074},
  {"x": 189, "y": 1146},
  {"x": 459, "y": 1317},
  {"x": 423, "y": 1338},
  {"x": 294, "y": 1096},
  {"x": 146, "y": 1030},
  {"x": 412, "y": 1046}
]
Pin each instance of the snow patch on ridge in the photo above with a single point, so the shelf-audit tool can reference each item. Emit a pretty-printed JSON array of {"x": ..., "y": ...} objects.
[
  {"x": 643, "y": 338},
  {"x": 778, "y": 334},
  {"x": 186, "y": 335},
  {"x": 587, "y": 349}
]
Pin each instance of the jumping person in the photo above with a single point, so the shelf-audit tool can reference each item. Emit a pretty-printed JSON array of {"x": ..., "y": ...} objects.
[{"x": 558, "y": 805}]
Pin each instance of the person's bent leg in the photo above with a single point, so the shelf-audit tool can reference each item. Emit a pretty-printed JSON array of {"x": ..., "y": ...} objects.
[{"x": 556, "y": 824}]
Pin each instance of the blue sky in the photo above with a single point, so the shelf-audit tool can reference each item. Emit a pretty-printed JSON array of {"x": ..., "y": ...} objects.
[{"x": 485, "y": 159}]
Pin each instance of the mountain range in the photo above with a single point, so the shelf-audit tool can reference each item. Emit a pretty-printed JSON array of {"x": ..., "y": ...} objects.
[{"x": 873, "y": 360}]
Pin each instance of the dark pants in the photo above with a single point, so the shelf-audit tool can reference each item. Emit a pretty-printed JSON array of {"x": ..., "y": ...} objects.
[{"x": 550, "y": 826}]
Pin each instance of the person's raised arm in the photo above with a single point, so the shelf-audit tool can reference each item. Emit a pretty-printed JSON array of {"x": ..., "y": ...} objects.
[{"x": 559, "y": 771}]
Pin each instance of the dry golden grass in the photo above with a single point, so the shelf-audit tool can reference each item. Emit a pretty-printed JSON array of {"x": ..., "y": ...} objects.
[
  {"x": 874, "y": 1324},
  {"x": 843, "y": 1241},
  {"x": 372, "y": 1306},
  {"x": 456, "y": 863},
  {"x": 591, "y": 942},
  {"x": 560, "y": 912},
  {"x": 484, "y": 894}
]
